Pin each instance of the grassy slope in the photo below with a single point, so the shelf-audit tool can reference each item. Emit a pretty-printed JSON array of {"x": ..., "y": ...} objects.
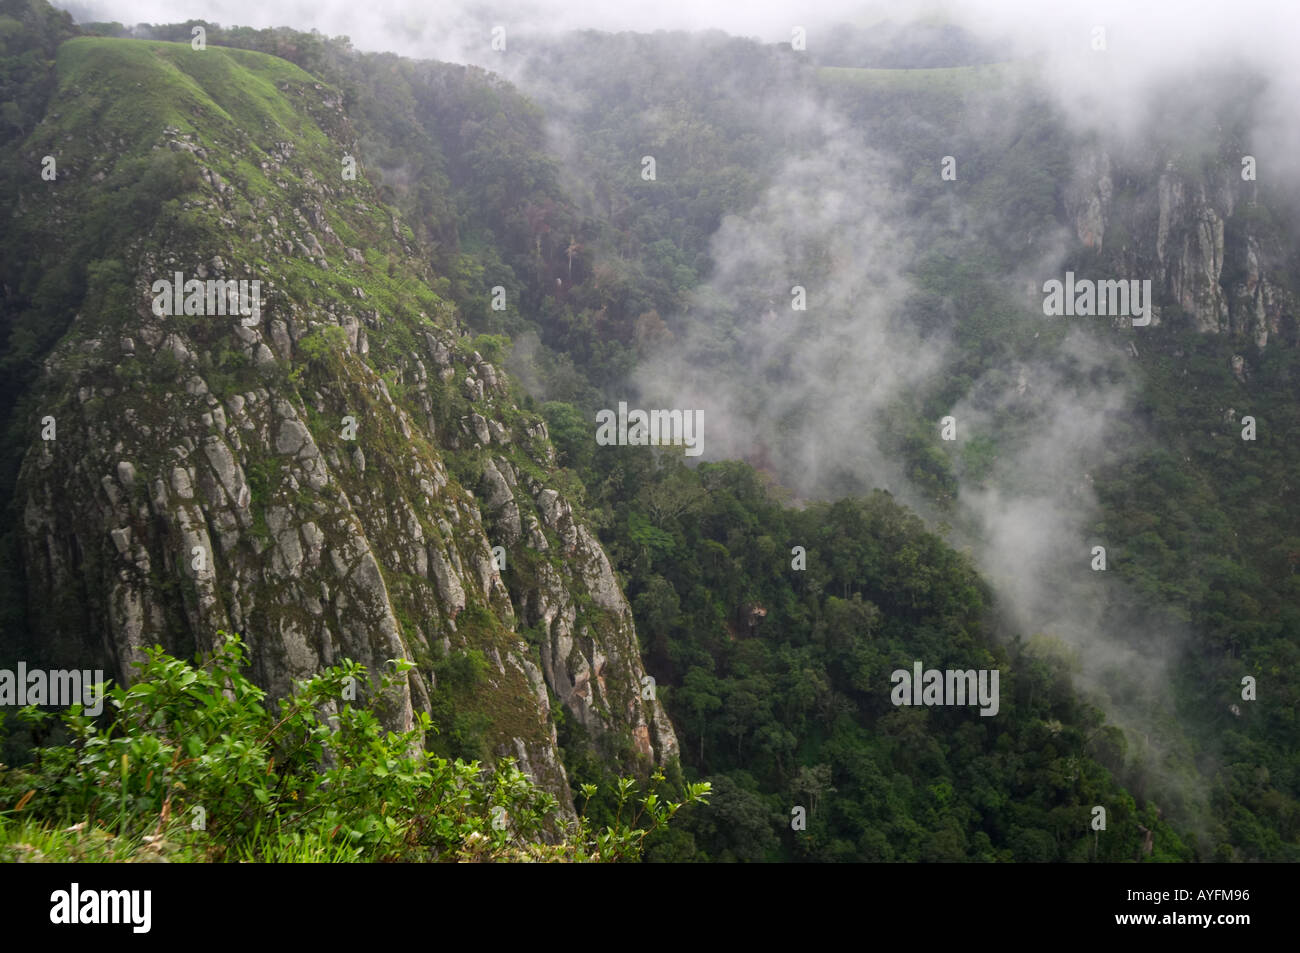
[{"x": 233, "y": 103}]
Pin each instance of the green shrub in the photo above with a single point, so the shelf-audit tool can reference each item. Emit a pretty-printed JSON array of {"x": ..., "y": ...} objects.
[{"x": 193, "y": 765}]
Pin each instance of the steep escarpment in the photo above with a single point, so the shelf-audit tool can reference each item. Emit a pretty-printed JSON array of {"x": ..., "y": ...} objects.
[
  {"x": 341, "y": 473},
  {"x": 1203, "y": 232}
]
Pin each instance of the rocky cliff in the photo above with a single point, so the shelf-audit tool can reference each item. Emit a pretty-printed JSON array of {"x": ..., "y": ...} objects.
[
  {"x": 1203, "y": 233},
  {"x": 345, "y": 476}
]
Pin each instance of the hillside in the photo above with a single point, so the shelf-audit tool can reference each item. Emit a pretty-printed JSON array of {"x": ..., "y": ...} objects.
[
  {"x": 392, "y": 457},
  {"x": 309, "y": 480}
]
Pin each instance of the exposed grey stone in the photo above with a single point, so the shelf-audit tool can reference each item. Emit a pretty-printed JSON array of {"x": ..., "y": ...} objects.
[
  {"x": 291, "y": 437},
  {"x": 182, "y": 483}
]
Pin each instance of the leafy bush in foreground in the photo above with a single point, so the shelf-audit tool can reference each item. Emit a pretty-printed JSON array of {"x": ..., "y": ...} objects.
[{"x": 192, "y": 766}]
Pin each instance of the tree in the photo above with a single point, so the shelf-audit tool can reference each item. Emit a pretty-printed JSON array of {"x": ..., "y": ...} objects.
[{"x": 699, "y": 693}]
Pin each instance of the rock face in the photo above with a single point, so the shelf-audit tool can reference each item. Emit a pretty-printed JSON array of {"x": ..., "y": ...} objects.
[
  {"x": 1200, "y": 244},
  {"x": 330, "y": 482},
  {"x": 588, "y": 656},
  {"x": 1087, "y": 200}
]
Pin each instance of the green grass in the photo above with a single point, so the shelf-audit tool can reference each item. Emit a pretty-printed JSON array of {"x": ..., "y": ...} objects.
[
  {"x": 29, "y": 841},
  {"x": 135, "y": 86}
]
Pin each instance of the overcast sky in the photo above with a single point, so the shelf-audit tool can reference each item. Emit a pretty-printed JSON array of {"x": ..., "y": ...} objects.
[{"x": 1156, "y": 30}]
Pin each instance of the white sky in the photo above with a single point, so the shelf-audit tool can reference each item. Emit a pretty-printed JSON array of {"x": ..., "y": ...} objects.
[{"x": 1161, "y": 30}]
